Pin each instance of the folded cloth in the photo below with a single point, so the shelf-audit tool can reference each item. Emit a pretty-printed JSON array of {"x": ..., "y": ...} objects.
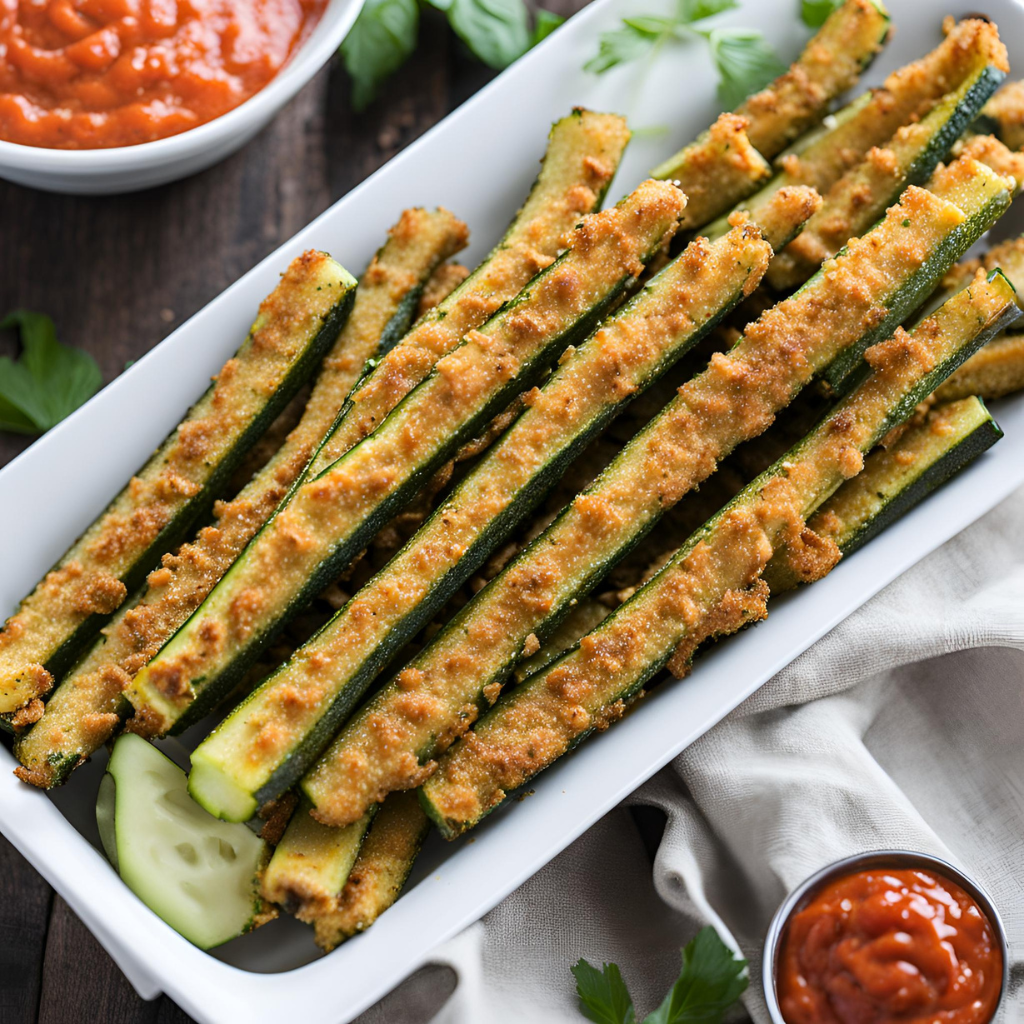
[{"x": 903, "y": 727}]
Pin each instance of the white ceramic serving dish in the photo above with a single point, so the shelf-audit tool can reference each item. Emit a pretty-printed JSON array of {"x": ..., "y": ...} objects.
[
  {"x": 479, "y": 162},
  {"x": 130, "y": 168}
]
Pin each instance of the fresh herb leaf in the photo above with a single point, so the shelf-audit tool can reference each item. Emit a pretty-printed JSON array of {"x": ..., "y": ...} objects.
[
  {"x": 378, "y": 44},
  {"x": 745, "y": 63},
  {"x": 544, "y": 24},
  {"x": 47, "y": 382},
  {"x": 814, "y": 12},
  {"x": 620, "y": 46},
  {"x": 698, "y": 10},
  {"x": 604, "y": 998},
  {"x": 710, "y": 982},
  {"x": 496, "y": 31}
]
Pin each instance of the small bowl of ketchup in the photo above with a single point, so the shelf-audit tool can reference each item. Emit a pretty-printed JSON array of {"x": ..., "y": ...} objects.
[
  {"x": 102, "y": 96},
  {"x": 889, "y": 937}
]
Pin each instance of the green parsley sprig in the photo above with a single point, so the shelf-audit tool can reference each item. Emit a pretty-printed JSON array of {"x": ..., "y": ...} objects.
[
  {"x": 744, "y": 61},
  {"x": 47, "y": 381},
  {"x": 711, "y": 980},
  {"x": 385, "y": 34}
]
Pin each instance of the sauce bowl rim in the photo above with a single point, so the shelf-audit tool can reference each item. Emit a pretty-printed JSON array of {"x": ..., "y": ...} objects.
[{"x": 893, "y": 858}]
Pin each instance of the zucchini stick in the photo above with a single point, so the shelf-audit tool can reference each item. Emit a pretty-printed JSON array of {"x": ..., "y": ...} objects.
[
  {"x": 893, "y": 481},
  {"x": 1003, "y": 115},
  {"x": 995, "y": 371},
  {"x": 855, "y": 300},
  {"x": 84, "y": 711},
  {"x": 311, "y": 864},
  {"x": 331, "y": 517},
  {"x": 263, "y": 747},
  {"x": 861, "y": 195},
  {"x": 379, "y": 873},
  {"x": 829, "y": 65},
  {"x": 705, "y": 589},
  {"x": 874, "y": 118},
  {"x": 296, "y": 324},
  {"x": 716, "y": 171}
]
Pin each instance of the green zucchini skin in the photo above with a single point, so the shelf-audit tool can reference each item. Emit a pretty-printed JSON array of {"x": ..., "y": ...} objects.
[
  {"x": 499, "y": 621},
  {"x": 984, "y": 207},
  {"x": 956, "y": 458},
  {"x": 889, "y": 488},
  {"x": 63, "y": 656},
  {"x": 742, "y": 256},
  {"x": 897, "y": 398},
  {"x": 656, "y": 207},
  {"x": 944, "y": 124}
]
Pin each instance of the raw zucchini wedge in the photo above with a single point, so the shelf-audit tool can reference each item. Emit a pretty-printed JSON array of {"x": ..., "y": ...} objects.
[
  {"x": 197, "y": 873},
  {"x": 311, "y": 864},
  {"x": 380, "y": 871},
  {"x": 907, "y": 94},
  {"x": 332, "y": 517},
  {"x": 88, "y": 706},
  {"x": 1003, "y": 115},
  {"x": 704, "y": 589},
  {"x": 893, "y": 481},
  {"x": 860, "y": 197},
  {"x": 265, "y": 745},
  {"x": 390, "y": 741},
  {"x": 295, "y": 326}
]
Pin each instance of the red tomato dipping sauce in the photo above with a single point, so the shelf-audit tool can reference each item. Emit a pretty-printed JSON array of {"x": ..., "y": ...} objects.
[
  {"x": 94, "y": 74},
  {"x": 883, "y": 946}
]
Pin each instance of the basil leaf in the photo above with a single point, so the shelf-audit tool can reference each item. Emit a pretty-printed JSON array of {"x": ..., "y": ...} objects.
[
  {"x": 496, "y": 31},
  {"x": 378, "y": 44},
  {"x": 710, "y": 982},
  {"x": 698, "y": 10},
  {"x": 603, "y": 996},
  {"x": 745, "y": 63},
  {"x": 619, "y": 46},
  {"x": 47, "y": 382},
  {"x": 814, "y": 12},
  {"x": 544, "y": 24}
]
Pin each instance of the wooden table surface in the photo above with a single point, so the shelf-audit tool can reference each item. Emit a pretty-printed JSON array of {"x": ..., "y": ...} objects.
[{"x": 117, "y": 274}]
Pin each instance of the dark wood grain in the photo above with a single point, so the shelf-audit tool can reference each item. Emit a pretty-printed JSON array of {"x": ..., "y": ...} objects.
[{"x": 117, "y": 274}]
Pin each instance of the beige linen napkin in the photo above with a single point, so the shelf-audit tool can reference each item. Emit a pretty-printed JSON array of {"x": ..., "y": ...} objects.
[{"x": 903, "y": 727}]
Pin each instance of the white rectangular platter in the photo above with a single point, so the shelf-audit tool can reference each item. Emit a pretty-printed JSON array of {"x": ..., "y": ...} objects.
[{"x": 479, "y": 162}]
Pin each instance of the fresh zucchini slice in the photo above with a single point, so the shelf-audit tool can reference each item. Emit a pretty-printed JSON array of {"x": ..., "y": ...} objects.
[
  {"x": 701, "y": 590},
  {"x": 265, "y": 745},
  {"x": 830, "y": 64},
  {"x": 332, "y": 517},
  {"x": 379, "y": 873},
  {"x": 85, "y": 710},
  {"x": 908, "y": 93},
  {"x": 889, "y": 271},
  {"x": 197, "y": 873},
  {"x": 860, "y": 197},
  {"x": 894, "y": 480},
  {"x": 295, "y": 326},
  {"x": 311, "y": 864}
]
